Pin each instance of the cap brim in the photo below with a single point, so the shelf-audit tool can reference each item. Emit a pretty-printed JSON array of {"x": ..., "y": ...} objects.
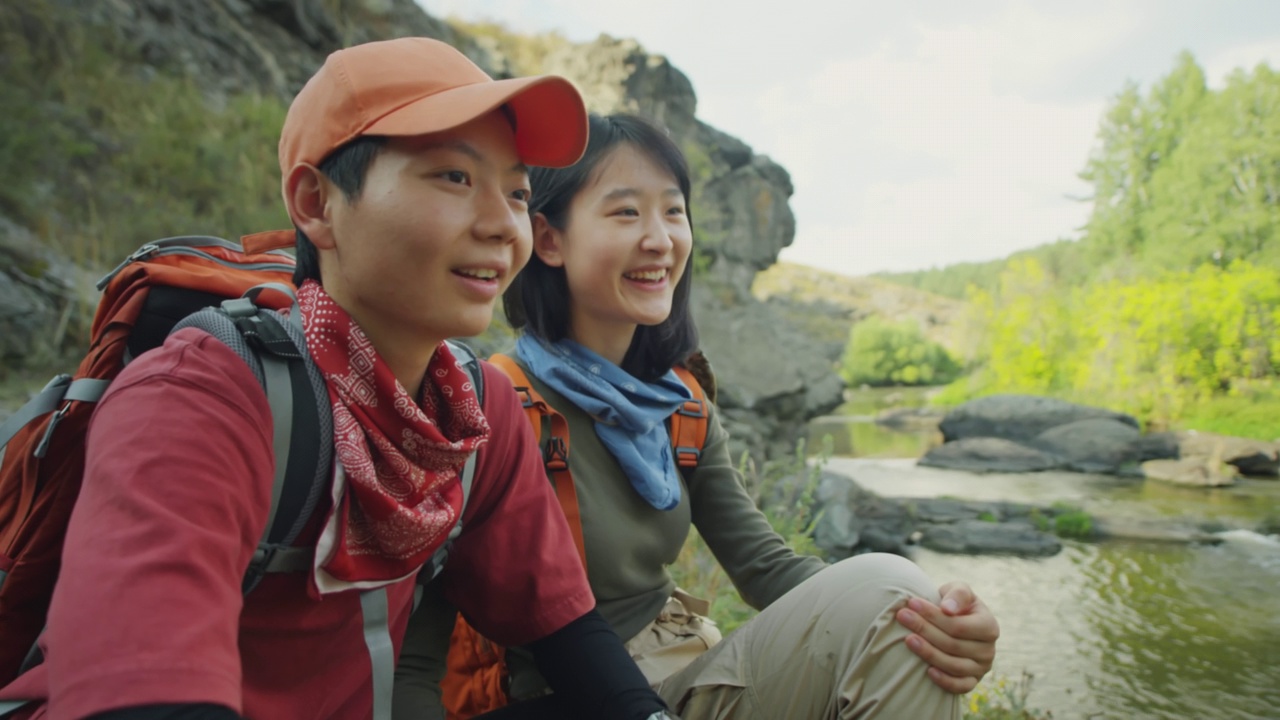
[{"x": 551, "y": 119}]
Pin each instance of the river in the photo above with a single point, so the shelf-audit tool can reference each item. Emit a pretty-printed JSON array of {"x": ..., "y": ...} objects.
[{"x": 1112, "y": 629}]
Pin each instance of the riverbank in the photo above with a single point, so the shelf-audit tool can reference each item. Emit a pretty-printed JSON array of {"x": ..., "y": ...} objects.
[{"x": 1178, "y": 619}]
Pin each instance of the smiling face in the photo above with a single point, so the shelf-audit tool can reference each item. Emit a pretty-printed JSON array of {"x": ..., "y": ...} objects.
[
  {"x": 437, "y": 232},
  {"x": 624, "y": 247}
]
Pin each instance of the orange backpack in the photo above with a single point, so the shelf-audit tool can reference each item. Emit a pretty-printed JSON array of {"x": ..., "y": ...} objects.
[{"x": 475, "y": 682}]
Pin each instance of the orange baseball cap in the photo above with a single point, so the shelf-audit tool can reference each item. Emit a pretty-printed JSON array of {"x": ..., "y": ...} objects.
[{"x": 415, "y": 86}]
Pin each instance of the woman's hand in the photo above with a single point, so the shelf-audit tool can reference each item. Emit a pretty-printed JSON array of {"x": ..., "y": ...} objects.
[{"x": 957, "y": 637}]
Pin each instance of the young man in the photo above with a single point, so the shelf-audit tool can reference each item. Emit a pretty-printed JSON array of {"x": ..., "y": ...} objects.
[{"x": 404, "y": 172}]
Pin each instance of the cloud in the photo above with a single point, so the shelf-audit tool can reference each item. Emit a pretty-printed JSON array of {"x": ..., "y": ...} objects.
[
  {"x": 1247, "y": 56},
  {"x": 917, "y": 134},
  {"x": 910, "y": 156}
]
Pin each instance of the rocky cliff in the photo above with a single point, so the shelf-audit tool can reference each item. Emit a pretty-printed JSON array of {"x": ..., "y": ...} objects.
[{"x": 772, "y": 379}]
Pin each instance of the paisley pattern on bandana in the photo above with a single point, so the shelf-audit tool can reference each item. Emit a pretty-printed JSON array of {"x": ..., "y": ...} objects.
[{"x": 402, "y": 458}]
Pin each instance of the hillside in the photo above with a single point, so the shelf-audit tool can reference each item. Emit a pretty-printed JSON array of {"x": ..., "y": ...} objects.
[{"x": 847, "y": 300}]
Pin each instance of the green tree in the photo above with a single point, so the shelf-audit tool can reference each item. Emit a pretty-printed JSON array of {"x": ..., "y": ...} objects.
[
  {"x": 1216, "y": 200},
  {"x": 881, "y": 352},
  {"x": 1137, "y": 136}
]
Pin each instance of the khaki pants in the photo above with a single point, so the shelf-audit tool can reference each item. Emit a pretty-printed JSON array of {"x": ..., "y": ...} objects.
[{"x": 831, "y": 648}]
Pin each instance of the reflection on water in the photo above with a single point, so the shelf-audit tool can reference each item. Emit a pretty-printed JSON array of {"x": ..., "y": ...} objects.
[
  {"x": 867, "y": 439},
  {"x": 1117, "y": 629},
  {"x": 1136, "y": 630}
]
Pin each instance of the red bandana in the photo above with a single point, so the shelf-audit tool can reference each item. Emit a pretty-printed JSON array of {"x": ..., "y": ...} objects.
[{"x": 401, "y": 459}]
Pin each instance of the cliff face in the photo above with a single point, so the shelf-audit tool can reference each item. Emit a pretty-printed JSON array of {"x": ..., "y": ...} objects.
[{"x": 740, "y": 205}]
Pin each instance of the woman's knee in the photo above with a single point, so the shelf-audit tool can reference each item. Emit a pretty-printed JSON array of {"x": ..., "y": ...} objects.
[
  {"x": 888, "y": 570},
  {"x": 873, "y": 583}
]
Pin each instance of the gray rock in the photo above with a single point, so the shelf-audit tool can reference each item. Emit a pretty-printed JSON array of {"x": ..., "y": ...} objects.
[
  {"x": 46, "y": 301},
  {"x": 1251, "y": 457},
  {"x": 778, "y": 391},
  {"x": 838, "y": 531},
  {"x": 1159, "y": 446},
  {"x": 1018, "y": 417},
  {"x": 1098, "y": 445},
  {"x": 915, "y": 419},
  {"x": 1194, "y": 471},
  {"x": 988, "y": 454},
  {"x": 978, "y": 537}
]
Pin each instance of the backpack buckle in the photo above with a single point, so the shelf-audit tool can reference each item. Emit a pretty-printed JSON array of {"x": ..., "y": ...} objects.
[
  {"x": 692, "y": 408},
  {"x": 43, "y": 447},
  {"x": 526, "y": 397},
  {"x": 556, "y": 455},
  {"x": 688, "y": 456}
]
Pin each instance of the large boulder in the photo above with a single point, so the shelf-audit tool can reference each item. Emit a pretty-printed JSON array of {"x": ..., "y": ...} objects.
[
  {"x": 854, "y": 520},
  {"x": 989, "y": 454},
  {"x": 772, "y": 378},
  {"x": 977, "y": 537},
  {"x": 1019, "y": 417},
  {"x": 1099, "y": 445}
]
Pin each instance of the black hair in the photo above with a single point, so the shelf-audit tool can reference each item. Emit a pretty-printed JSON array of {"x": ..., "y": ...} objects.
[
  {"x": 346, "y": 168},
  {"x": 538, "y": 299}
]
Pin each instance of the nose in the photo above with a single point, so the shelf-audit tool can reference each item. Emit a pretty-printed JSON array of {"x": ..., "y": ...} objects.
[
  {"x": 657, "y": 237},
  {"x": 497, "y": 218}
]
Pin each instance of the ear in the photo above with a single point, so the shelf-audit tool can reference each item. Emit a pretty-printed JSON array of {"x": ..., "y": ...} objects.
[
  {"x": 547, "y": 242},
  {"x": 307, "y": 194}
]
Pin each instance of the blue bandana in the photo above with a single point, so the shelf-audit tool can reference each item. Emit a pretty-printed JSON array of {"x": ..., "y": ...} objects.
[{"x": 630, "y": 414}]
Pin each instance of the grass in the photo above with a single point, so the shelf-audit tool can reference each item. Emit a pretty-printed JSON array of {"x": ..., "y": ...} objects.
[
  {"x": 999, "y": 698},
  {"x": 1070, "y": 521},
  {"x": 1251, "y": 412},
  {"x": 101, "y": 157}
]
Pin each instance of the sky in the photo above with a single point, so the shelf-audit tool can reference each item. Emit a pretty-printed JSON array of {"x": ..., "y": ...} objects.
[{"x": 920, "y": 133}]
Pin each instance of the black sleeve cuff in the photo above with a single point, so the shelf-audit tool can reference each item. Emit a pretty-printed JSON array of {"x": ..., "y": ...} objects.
[
  {"x": 591, "y": 673},
  {"x": 181, "y": 711}
]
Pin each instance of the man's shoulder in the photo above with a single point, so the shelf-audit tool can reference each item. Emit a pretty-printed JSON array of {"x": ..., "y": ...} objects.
[{"x": 190, "y": 361}]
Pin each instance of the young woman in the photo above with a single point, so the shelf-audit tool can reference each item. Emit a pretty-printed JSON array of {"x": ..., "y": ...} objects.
[{"x": 603, "y": 309}]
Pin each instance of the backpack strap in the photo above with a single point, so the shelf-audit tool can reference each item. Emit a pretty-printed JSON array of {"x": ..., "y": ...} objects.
[
  {"x": 302, "y": 423},
  {"x": 689, "y": 423},
  {"x": 553, "y": 438},
  {"x": 54, "y": 396}
]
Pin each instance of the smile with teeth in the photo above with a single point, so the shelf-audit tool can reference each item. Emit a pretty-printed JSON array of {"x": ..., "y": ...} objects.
[
  {"x": 646, "y": 275},
  {"x": 478, "y": 273}
]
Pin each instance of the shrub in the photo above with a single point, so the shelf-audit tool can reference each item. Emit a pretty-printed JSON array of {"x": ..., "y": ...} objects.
[
  {"x": 881, "y": 352},
  {"x": 1074, "y": 524}
]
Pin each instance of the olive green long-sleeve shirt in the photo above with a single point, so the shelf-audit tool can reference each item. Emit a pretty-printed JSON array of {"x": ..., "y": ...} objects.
[{"x": 629, "y": 545}]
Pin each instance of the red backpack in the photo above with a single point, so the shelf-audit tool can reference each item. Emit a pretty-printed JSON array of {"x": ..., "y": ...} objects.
[
  {"x": 231, "y": 291},
  {"x": 475, "y": 681},
  {"x": 155, "y": 287}
]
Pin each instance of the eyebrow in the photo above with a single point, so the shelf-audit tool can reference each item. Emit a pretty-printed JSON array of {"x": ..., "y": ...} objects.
[
  {"x": 466, "y": 148},
  {"x": 626, "y": 192}
]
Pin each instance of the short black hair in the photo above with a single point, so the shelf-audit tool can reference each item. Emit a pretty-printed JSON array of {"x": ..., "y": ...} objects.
[
  {"x": 538, "y": 299},
  {"x": 346, "y": 168}
]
